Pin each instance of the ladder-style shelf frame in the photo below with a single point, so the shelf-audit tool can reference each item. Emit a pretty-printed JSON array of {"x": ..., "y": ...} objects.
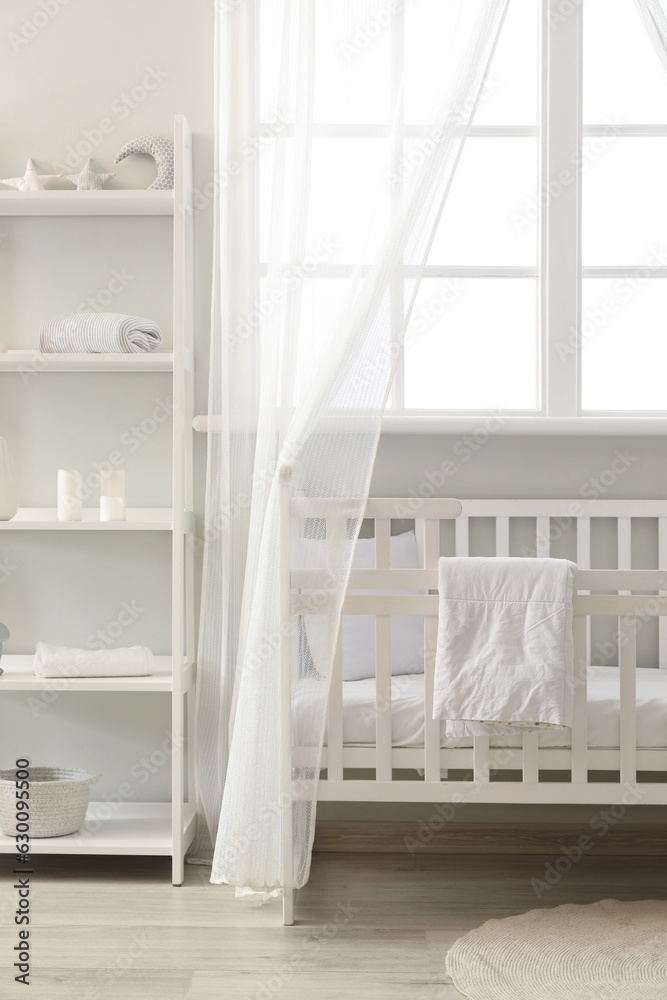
[{"x": 160, "y": 829}]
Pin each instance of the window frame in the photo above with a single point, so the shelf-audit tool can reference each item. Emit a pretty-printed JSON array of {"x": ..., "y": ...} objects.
[
  {"x": 396, "y": 414},
  {"x": 559, "y": 271}
]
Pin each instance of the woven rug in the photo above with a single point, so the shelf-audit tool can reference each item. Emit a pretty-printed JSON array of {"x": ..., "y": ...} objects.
[{"x": 606, "y": 951}]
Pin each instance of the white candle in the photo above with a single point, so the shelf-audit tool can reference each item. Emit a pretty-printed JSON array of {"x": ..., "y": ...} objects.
[
  {"x": 112, "y": 509},
  {"x": 112, "y": 484},
  {"x": 70, "y": 489}
]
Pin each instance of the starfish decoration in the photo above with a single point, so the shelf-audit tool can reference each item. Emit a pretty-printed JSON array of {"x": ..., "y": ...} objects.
[
  {"x": 31, "y": 180},
  {"x": 88, "y": 180}
]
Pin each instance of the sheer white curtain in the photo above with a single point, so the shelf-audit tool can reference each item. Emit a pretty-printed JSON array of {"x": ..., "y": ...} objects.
[
  {"x": 654, "y": 18},
  {"x": 316, "y": 242}
]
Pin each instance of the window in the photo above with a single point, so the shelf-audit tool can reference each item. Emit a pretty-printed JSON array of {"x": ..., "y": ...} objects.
[
  {"x": 473, "y": 342},
  {"x": 624, "y": 214},
  {"x": 545, "y": 292}
]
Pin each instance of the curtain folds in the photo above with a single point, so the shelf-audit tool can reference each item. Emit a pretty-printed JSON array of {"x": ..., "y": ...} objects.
[
  {"x": 655, "y": 21},
  {"x": 307, "y": 324}
]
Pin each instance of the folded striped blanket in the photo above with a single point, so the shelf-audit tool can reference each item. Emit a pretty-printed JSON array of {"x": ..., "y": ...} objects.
[{"x": 99, "y": 333}]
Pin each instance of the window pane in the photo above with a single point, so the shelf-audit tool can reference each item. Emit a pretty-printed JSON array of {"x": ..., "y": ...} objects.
[
  {"x": 352, "y": 83},
  {"x": 485, "y": 220},
  {"x": 322, "y": 300},
  {"x": 623, "y": 79},
  {"x": 624, "y": 343},
  {"x": 624, "y": 200},
  {"x": 434, "y": 36},
  {"x": 473, "y": 344},
  {"x": 353, "y": 63},
  {"x": 510, "y": 97},
  {"x": 349, "y": 198}
]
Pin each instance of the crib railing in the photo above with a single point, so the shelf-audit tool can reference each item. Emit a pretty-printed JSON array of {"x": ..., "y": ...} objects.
[{"x": 632, "y": 597}]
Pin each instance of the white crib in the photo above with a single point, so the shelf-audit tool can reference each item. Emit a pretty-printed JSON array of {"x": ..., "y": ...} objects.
[{"x": 634, "y": 597}]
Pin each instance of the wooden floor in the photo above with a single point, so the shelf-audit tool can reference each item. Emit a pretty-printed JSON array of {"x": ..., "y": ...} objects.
[{"x": 368, "y": 926}]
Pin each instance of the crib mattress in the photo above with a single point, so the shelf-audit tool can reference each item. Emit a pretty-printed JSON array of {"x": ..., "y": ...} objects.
[{"x": 603, "y": 712}]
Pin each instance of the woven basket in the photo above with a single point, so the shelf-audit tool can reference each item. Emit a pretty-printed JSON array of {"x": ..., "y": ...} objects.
[{"x": 59, "y": 798}]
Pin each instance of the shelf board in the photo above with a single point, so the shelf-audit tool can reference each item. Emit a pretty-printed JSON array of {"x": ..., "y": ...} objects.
[
  {"x": 114, "y": 202},
  {"x": 139, "y": 828},
  {"x": 46, "y": 519},
  {"x": 34, "y": 362},
  {"x": 18, "y": 676}
]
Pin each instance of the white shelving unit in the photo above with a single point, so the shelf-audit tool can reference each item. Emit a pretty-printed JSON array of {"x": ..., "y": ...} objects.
[
  {"x": 18, "y": 676},
  {"x": 46, "y": 519},
  {"x": 164, "y": 829},
  {"x": 33, "y": 361},
  {"x": 87, "y": 202},
  {"x": 132, "y": 828}
]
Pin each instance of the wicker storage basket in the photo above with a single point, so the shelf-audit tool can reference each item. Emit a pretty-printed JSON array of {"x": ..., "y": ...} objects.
[{"x": 57, "y": 805}]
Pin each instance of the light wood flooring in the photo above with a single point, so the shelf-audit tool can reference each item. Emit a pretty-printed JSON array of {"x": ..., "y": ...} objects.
[{"x": 368, "y": 926}]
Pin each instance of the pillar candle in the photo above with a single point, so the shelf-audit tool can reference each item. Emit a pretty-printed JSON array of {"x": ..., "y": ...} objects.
[
  {"x": 70, "y": 489},
  {"x": 112, "y": 509},
  {"x": 112, "y": 484}
]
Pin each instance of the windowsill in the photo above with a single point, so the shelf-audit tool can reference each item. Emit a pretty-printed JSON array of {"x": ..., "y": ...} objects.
[{"x": 551, "y": 426}]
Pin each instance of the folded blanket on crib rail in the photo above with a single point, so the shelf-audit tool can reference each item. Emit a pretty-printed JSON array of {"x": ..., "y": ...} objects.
[
  {"x": 505, "y": 654},
  {"x": 99, "y": 333},
  {"x": 59, "y": 661}
]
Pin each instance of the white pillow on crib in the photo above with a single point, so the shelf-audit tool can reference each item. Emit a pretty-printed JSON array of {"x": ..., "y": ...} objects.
[{"x": 358, "y": 631}]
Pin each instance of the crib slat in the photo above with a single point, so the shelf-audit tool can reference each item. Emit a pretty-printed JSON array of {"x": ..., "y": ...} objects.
[
  {"x": 610, "y": 605},
  {"x": 334, "y": 540},
  {"x": 580, "y": 705},
  {"x": 378, "y": 579},
  {"x": 628, "y": 682},
  {"x": 542, "y": 542},
  {"x": 431, "y": 725},
  {"x": 584, "y": 542},
  {"x": 383, "y": 698},
  {"x": 584, "y": 562},
  {"x": 382, "y": 536},
  {"x": 335, "y": 717},
  {"x": 624, "y": 535},
  {"x": 431, "y": 548},
  {"x": 662, "y": 564},
  {"x": 502, "y": 536},
  {"x": 627, "y": 641},
  {"x": 481, "y": 758},
  {"x": 462, "y": 536},
  {"x": 530, "y": 757},
  {"x": 431, "y": 530}
]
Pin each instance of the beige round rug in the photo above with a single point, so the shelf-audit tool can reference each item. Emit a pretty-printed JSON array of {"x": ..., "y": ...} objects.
[{"x": 606, "y": 951}]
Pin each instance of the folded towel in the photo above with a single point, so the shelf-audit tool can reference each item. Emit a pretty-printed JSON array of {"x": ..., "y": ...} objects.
[
  {"x": 59, "y": 661},
  {"x": 505, "y": 654},
  {"x": 99, "y": 333}
]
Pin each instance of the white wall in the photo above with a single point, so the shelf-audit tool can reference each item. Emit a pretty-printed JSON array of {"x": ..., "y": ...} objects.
[{"x": 78, "y": 70}]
